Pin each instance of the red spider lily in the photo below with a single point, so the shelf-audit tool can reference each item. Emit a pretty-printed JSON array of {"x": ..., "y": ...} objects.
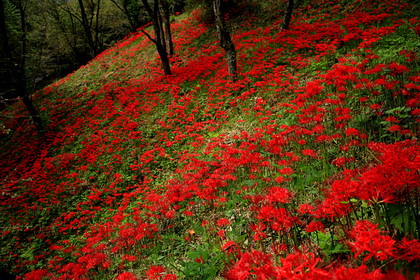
[
  {"x": 199, "y": 260},
  {"x": 389, "y": 181},
  {"x": 301, "y": 266},
  {"x": 259, "y": 231},
  {"x": 230, "y": 247},
  {"x": 315, "y": 226},
  {"x": 155, "y": 272},
  {"x": 129, "y": 258},
  {"x": 222, "y": 222},
  {"x": 367, "y": 238},
  {"x": 73, "y": 271},
  {"x": 409, "y": 250},
  {"x": 120, "y": 125},
  {"x": 126, "y": 276},
  {"x": 37, "y": 274},
  {"x": 254, "y": 264},
  {"x": 397, "y": 69},
  {"x": 362, "y": 272},
  {"x": 278, "y": 195}
]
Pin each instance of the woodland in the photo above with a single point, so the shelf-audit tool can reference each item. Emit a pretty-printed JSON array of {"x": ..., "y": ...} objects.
[{"x": 209, "y": 139}]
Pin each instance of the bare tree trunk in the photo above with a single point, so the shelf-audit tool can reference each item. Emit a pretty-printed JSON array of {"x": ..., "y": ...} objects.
[
  {"x": 86, "y": 28},
  {"x": 33, "y": 112},
  {"x": 225, "y": 40},
  {"x": 134, "y": 24},
  {"x": 287, "y": 16},
  {"x": 127, "y": 14},
  {"x": 166, "y": 21},
  {"x": 97, "y": 46},
  {"x": 157, "y": 27},
  {"x": 165, "y": 60},
  {"x": 162, "y": 33}
]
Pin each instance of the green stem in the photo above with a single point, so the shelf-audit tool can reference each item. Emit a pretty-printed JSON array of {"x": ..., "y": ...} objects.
[
  {"x": 387, "y": 218},
  {"x": 332, "y": 238},
  {"x": 377, "y": 215},
  {"x": 370, "y": 152},
  {"x": 354, "y": 209},
  {"x": 413, "y": 211}
]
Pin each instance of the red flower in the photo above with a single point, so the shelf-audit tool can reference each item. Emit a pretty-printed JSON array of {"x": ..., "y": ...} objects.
[
  {"x": 300, "y": 266},
  {"x": 315, "y": 226},
  {"x": 222, "y": 222},
  {"x": 230, "y": 247},
  {"x": 199, "y": 260},
  {"x": 259, "y": 231},
  {"x": 155, "y": 272},
  {"x": 37, "y": 274},
  {"x": 126, "y": 276},
  {"x": 368, "y": 239},
  {"x": 278, "y": 195},
  {"x": 409, "y": 250},
  {"x": 394, "y": 128},
  {"x": 170, "y": 214},
  {"x": 254, "y": 264}
]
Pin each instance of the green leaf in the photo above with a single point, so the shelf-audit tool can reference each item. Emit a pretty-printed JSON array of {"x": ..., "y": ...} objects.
[
  {"x": 241, "y": 238},
  {"x": 249, "y": 183},
  {"x": 403, "y": 221}
]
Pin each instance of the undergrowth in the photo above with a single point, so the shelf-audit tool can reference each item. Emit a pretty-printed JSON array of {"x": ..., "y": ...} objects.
[{"x": 306, "y": 167}]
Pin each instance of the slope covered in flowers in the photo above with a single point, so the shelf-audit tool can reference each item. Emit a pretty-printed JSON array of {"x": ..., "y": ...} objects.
[{"x": 307, "y": 167}]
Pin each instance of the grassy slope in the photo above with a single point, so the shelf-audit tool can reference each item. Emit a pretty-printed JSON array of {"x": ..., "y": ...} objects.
[{"x": 140, "y": 174}]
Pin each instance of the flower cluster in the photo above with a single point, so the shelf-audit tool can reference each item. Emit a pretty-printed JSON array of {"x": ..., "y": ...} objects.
[{"x": 306, "y": 167}]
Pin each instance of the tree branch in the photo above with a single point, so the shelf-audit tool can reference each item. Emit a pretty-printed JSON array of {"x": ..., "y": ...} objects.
[
  {"x": 148, "y": 36},
  {"x": 118, "y": 5}
]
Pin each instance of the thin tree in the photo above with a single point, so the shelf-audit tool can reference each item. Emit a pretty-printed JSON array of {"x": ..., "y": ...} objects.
[
  {"x": 17, "y": 86},
  {"x": 88, "y": 15},
  {"x": 287, "y": 16},
  {"x": 126, "y": 6},
  {"x": 225, "y": 40},
  {"x": 166, "y": 20},
  {"x": 159, "y": 36},
  {"x": 92, "y": 39}
]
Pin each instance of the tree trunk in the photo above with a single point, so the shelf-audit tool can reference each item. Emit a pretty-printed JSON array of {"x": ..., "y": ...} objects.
[
  {"x": 22, "y": 60},
  {"x": 132, "y": 19},
  {"x": 225, "y": 40},
  {"x": 165, "y": 60},
  {"x": 157, "y": 27},
  {"x": 162, "y": 33},
  {"x": 87, "y": 29},
  {"x": 96, "y": 43},
  {"x": 231, "y": 60},
  {"x": 166, "y": 21},
  {"x": 127, "y": 14},
  {"x": 33, "y": 112},
  {"x": 287, "y": 16}
]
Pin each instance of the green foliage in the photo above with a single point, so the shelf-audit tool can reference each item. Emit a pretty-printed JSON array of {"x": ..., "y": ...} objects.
[
  {"x": 189, "y": 238},
  {"x": 12, "y": 18},
  {"x": 203, "y": 263},
  {"x": 133, "y": 9}
]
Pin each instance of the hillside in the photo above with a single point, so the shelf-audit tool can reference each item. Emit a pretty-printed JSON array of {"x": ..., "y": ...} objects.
[{"x": 306, "y": 167}]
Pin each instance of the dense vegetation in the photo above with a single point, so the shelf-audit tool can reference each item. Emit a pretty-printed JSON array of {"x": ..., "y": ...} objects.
[
  {"x": 51, "y": 38},
  {"x": 306, "y": 167}
]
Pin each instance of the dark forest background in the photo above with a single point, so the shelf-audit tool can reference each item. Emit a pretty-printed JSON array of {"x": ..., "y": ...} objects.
[{"x": 45, "y": 40}]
